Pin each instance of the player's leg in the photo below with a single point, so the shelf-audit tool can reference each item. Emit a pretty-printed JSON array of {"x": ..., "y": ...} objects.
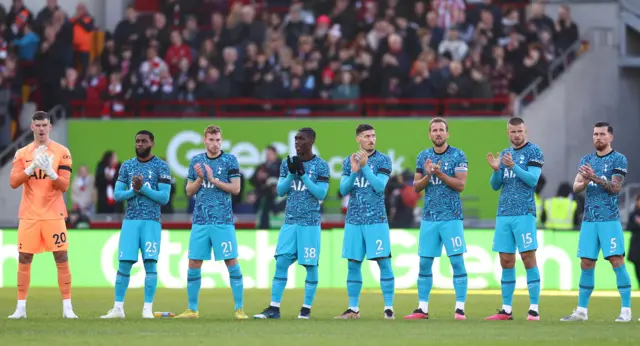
[
  {"x": 151, "y": 233},
  {"x": 128, "y": 246},
  {"x": 29, "y": 243},
  {"x": 612, "y": 242},
  {"x": 286, "y": 254},
  {"x": 353, "y": 250},
  {"x": 505, "y": 244},
  {"x": 225, "y": 247},
  {"x": 54, "y": 235},
  {"x": 525, "y": 233},
  {"x": 588, "y": 249},
  {"x": 378, "y": 246},
  {"x": 452, "y": 235},
  {"x": 308, "y": 238},
  {"x": 429, "y": 246},
  {"x": 199, "y": 250}
]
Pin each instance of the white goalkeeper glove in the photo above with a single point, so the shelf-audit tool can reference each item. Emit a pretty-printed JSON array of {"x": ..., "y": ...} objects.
[
  {"x": 45, "y": 163},
  {"x": 36, "y": 155}
]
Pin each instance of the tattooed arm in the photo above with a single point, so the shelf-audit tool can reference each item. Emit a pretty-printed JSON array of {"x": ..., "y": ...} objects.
[{"x": 612, "y": 186}]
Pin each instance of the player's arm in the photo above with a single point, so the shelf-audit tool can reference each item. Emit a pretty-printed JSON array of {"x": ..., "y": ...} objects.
[
  {"x": 529, "y": 177},
  {"x": 420, "y": 178},
  {"x": 612, "y": 186},
  {"x": 19, "y": 175},
  {"x": 232, "y": 187},
  {"x": 456, "y": 182},
  {"x": 160, "y": 196},
  {"x": 121, "y": 193},
  {"x": 193, "y": 186},
  {"x": 579, "y": 183},
  {"x": 377, "y": 181},
  {"x": 286, "y": 177},
  {"x": 348, "y": 177},
  {"x": 62, "y": 178},
  {"x": 319, "y": 189}
]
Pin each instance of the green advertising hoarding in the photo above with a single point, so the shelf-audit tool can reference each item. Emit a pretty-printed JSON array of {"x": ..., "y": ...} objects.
[
  {"x": 402, "y": 139},
  {"x": 92, "y": 255}
]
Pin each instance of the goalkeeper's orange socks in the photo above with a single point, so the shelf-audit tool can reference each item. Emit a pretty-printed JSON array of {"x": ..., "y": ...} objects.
[
  {"x": 24, "y": 279},
  {"x": 64, "y": 279}
]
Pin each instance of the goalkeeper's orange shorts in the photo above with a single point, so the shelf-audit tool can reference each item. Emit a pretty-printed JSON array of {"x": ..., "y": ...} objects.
[{"x": 36, "y": 236}]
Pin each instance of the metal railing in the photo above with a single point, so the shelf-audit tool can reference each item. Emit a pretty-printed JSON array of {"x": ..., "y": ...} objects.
[
  {"x": 56, "y": 113},
  {"x": 595, "y": 36}
]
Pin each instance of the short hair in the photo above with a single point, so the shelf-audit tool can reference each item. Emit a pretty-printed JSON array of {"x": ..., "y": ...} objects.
[
  {"x": 40, "y": 115},
  {"x": 604, "y": 124},
  {"x": 146, "y": 132},
  {"x": 515, "y": 121},
  {"x": 439, "y": 120},
  {"x": 363, "y": 127},
  {"x": 212, "y": 130},
  {"x": 308, "y": 131}
]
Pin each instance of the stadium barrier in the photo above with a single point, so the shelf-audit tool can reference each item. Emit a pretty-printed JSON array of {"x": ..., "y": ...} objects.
[
  {"x": 178, "y": 140},
  {"x": 93, "y": 257}
]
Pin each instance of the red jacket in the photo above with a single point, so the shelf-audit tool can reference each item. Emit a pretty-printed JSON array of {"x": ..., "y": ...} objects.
[{"x": 175, "y": 54}]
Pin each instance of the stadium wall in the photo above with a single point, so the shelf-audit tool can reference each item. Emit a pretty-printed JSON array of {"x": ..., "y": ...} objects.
[{"x": 93, "y": 257}]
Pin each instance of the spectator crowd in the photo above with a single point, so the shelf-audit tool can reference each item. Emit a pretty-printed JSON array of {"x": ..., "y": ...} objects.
[{"x": 341, "y": 50}]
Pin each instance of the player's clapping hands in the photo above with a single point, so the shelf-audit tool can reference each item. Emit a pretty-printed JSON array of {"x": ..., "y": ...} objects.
[
  {"x": 45, "y": 163},
  {"x": 199, "y": 171},
  {"x": 507, "y": 160},
  {"x": 297, "y": 162},
  {"x": 291, "y": 165},
  {"x": 435, "y": 169},
  {"x": 586, "y": 172},
  {"x": 39, "y": 152},
  {"x": 494, "y": 161},
  {"x": 137, "y": 182},
  {"x": 364, "y": 158},
  {"x": 213, "y": 180},
  {"x": 428, "y": 167},
  {"x": 355, "y": 163}
]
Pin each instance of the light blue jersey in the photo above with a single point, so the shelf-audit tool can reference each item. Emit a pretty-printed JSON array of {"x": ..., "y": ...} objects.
[
  {"x": 303, "y": 208},
  {"x": 601, "y": 205},
  {"x": 516, "y": 197},
  {"x": 366, "y": 206},
  {"x": 154, "y": 172}
]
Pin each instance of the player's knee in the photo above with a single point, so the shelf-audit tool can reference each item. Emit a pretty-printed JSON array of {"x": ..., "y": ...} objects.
[
  {"x": 25, "y": 258},
  {"x": 457, "y": 264},
  {"x": 195, "y": 264},
  {"x": 425, "y": 264},
  {"x": 283, "y": 263},
  {"x": 587, "y": 263},
  {"x": 507, "y": 260},
  {"x": 229, "y": 262},
  {"x": 529, "y": 259},
  {"x": 60, "y": 256},
  {"x": 150, "y": 266},
  {"x": 616, "y": 261}
]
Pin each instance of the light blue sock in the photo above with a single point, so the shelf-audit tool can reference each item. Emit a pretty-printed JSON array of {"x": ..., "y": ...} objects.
[
  {"x": 508, "y": 285},
  {"x": 425, "y": 279},
  {"x": 624, "y": 285},
  {"x": 237, "y": 285},
  {"x": 460, "y": 280},
  {"x": 587, "y": 281},
  {"x": 533, "y": 283},
  {"x": 150, "y": 280},
  {"x": 310, "y": 285},
  {"x": 387, "y": 281},
  {"x": 280, "y": 278},
  {"x": 122, "y": 279},
  {"x": 194, "y": 280},
  {"x": 354, "y": 283}
]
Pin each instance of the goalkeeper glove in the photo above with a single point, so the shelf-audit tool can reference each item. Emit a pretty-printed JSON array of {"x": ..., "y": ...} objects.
[
  {"x": 39, "y": 152},
  {"x": 45, "y": 163},
  {"x": 299, "y": 165}
]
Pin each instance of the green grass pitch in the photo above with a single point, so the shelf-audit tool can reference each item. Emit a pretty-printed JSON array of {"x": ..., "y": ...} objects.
[{"x": 45, "y": 325}]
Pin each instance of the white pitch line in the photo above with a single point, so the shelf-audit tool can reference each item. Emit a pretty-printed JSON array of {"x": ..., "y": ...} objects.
[{"x": 548, "y": 293}]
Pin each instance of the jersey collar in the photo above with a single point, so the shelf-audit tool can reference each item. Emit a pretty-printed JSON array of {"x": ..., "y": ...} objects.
[
  {"x": 149, "y": 160},
  {"x": 214, "y": 158},
  {"x": 598, "y": 156},
  {"x": 522, "y": 147},
  {"x": 373, "y": 153},
  {"x": 442, "y": 153},
  {"x": 312, "y": 157}
]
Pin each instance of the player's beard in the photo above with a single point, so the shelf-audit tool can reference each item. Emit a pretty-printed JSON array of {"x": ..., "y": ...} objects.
[
  {"x": 600, "y": 146},
  {"x": 142, "y": 153},
  {"x": 439, "y": 143}
]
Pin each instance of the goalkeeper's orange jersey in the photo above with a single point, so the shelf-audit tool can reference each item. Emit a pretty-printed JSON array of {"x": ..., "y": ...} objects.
[{"x": 42, "y": 198}]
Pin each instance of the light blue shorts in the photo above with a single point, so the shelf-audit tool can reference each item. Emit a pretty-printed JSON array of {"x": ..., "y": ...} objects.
[
  {"x": 434, "y": 234},
  {"x": 299, "y": 242},
  {"x": 606, "y": 236},
  {"x": 222, "y": 238},
  {"x": 143, "y": 235},
  {"x": 372, "y": 240},
  {"x": 515, "y": 231}
]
